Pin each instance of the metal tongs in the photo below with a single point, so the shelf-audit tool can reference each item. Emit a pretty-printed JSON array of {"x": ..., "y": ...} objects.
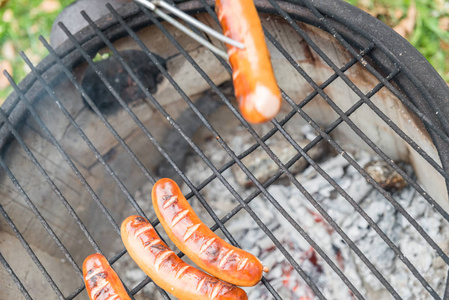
[{"x": 155, "y": 6}]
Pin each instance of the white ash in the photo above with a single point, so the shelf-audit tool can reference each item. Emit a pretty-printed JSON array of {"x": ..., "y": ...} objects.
[
  {"x": 262, "y": 166},
  {"x": 284, "y": 279}
]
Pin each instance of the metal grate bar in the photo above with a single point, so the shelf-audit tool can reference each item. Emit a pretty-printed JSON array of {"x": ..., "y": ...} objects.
[
  {"x": 422, "y": 232},
  {"x": 401, "y": 97},
  {"x": 98, "y": 112},
  {"x": 275, "y": 203},
  {"x": 31, "y": 204},
  {"x": 303, "y": 233},
  {"x": 75, "y": 170},
  {"x": 406, "y": 138},
  {"x": 297, "y": 156},
  {"x": 366, "y": 99},
  {"x": 83, "y": 92},
  {"x": 426, "y": 285},
  {"x": 359, "y": 210},
  {"x": 293, "y": 180},
  {"x": 166, "y": 33},
  {"x": 144, "y": 283},
  {"x": 87, "y": 141},
  {"x": 72, "y": 78},
  {"x": 370, "y": 104},
  {"x": 411, "y": 220},
  {"x": 67, "y": 159},
  {"x": 14, "y": 277},
  {"x": 219, "y": 223},
  {"x": 29, "y": 250},
  {"x": 141, "y": 86},
  {"x": 388, "y": 197},
  {"x": 446, "y": 289},
  {"x": 444, "y": 121},
  {"x": 49, "y": 91},
  {"x": 153, "y": 21},
  {"x": 269, "y": 233},
  {"x": 76, "y": 292},
  {"x": 292, "y": 113}
]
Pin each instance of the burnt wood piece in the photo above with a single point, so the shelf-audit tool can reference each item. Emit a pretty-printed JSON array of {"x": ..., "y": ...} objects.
[{"x": 120, "y": 80}]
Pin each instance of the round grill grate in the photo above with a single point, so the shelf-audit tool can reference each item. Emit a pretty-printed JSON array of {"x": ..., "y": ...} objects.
[{"x": 84, "y": 140}]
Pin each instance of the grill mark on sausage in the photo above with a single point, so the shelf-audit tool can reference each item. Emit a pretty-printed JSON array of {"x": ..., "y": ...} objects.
[
  {"x": 92, "y": 273},
  {"x": 242, "y": 264},
  {"x": 161, "y": 247},
  {"x": 190, "y": 231},
  {"x": 216, "y": 290},
  {"x": 101, "y": 284},
  {"x": 206, "y": 245},
  {"x": 179, "y": 217},
  {"x": 181, "y": 271},
  {"x": 200, "y": 284},
  {"x": 140, "y": 219},
  {"x": 161, "y": 257},
  {"x": 170, "y": 201},
  {"x": 225, "y": 259},
  {"x": 142, "y": 230},
  {"x": 148, "y": 245}
]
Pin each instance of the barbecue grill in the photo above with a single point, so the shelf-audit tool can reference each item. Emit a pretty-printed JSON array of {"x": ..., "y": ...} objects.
[{"x": 83, "y": 138}]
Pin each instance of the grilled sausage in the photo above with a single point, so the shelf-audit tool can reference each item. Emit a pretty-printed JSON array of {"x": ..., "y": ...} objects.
[
  {"x": 102, "y": 283},
  {"x": 167, "y": 270},
  {"x": 255, "y": 86},
  {"x": 198, "y": 242}
]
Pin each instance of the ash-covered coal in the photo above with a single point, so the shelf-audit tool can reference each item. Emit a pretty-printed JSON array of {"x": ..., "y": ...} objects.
[{"x": 388, "y": 178}]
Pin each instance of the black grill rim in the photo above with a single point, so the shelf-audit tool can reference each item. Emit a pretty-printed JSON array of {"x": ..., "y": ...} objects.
[{"x": 189, "y": 2}]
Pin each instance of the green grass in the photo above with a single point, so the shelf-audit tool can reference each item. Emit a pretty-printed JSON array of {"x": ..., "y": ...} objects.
[
  {"x": 21, "y": 22},
  {"x": 428, "y": 36}
]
